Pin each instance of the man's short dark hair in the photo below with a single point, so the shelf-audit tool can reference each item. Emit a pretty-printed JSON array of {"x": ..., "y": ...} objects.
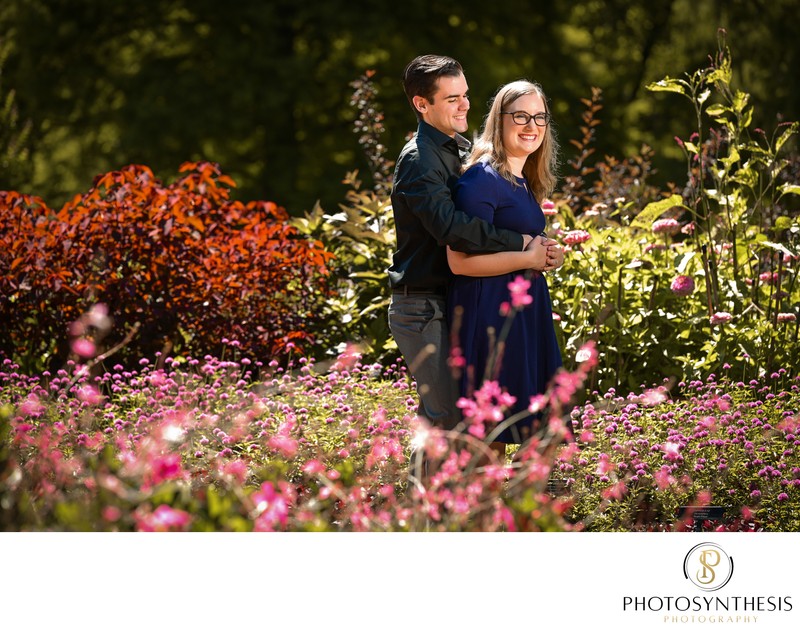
[{"x": 420, "y": 76}]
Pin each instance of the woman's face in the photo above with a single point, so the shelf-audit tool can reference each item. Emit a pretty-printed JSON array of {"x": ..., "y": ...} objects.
[{"x": 522, "y": 140}]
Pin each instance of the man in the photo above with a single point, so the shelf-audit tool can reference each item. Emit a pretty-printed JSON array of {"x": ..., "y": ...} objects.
[{"x": 426, "y": 221}]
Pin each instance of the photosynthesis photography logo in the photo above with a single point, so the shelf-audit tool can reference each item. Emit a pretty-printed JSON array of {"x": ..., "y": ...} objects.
[
  {"x": 707, "y": 569},
  {"x": 708, "y": 566}
]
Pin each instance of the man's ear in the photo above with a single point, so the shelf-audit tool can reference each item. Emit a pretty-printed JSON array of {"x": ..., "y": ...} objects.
[{"x": 421, "y": 103}]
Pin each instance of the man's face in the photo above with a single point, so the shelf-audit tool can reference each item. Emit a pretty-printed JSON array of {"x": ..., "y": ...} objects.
[{"x": 448, "y": 110}]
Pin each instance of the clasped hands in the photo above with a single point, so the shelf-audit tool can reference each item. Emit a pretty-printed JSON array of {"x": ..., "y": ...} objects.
[{"x": 546, "y": 254}]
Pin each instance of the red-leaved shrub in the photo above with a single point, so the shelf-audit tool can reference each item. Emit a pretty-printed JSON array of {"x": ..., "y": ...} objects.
[{"x": 181, "y": 265}]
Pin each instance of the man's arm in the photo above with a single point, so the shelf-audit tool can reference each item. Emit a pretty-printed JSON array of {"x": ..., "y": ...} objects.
[{"x": 425, "y": 192}]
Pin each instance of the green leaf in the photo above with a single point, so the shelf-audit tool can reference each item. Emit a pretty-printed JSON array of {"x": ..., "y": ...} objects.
[
  {"x": 783, "y": 223},
  {"x": 788, "y": 133},
  {"x": 669, "y": 85},
  {"x": 791, "y": 189},
  {"x": 687, "y": 257},
  {"x": 653, "y": 210},
  {"x": 777, "y": 246},
  {"x": 717, "y": 110}
]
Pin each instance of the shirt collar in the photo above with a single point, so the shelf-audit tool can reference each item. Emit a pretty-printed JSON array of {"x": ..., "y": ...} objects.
[{"x": 462, "y": 144}]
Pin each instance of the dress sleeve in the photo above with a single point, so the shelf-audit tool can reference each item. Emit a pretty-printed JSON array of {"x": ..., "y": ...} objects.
[{"x": 476, "y": 193}]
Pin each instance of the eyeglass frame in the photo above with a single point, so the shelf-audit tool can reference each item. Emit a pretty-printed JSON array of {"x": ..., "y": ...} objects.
[{"x": 548, "y": 118}]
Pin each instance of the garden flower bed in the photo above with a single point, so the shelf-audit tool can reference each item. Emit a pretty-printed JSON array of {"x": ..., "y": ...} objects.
[{"x": 205, "y": 445}]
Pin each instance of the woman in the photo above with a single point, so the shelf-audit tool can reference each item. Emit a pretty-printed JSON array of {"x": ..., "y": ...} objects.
[{"x": 511, "y": 166}]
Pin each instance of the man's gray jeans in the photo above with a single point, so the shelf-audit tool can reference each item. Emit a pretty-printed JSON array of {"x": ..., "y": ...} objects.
[{"x": 419, "y": 325}]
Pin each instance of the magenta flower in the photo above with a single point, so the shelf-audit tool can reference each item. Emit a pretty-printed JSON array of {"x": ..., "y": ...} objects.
[
  {"x": 682, "y": 285},
  {"x": 163, "y": 519},
  {"x": 663, "y": 479},
  {"x": 672, "y": 451},
  {"x": 271, "y": 508},
  {"x": 787, "y": 317},
  {"x": 720, "y": 318},
  {"x": 520, "y": 297},
  {"x": 236, "y": 470},
  {"x": 165, "y": 468},
  {"x": 575, "y": 237},
  {"x": 284, "y": 444},
  {"x": 90, "y": 394},
  {"x": 666, "y": 226}
]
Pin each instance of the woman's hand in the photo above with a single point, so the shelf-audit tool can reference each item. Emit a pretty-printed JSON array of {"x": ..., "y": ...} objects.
[
  {"x": 546, "y": 254},
  {"x": 536, "y": 252},
  {"x": 555, "y": 254}
]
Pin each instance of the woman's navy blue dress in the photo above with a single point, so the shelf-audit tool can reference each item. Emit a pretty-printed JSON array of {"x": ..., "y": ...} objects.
[{"x": 531, "y": 355}]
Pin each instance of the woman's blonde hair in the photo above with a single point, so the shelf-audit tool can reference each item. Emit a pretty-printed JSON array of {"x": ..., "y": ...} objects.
[{"x": 541, "y": 165}]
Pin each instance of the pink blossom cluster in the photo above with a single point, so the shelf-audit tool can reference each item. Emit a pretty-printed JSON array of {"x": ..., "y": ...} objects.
[
  {"x": 682, "y": 285},
  {"x": 666, "y": 226},
  {"x": 576, "y": 237},
  {"x": 720, "y": 442}
]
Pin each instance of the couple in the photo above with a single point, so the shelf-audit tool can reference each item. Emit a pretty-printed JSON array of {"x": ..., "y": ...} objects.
[{"x": 468, "y": 222}]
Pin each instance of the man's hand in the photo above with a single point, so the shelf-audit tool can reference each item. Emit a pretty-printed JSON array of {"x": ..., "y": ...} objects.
[{"x": 527, "y": 239}]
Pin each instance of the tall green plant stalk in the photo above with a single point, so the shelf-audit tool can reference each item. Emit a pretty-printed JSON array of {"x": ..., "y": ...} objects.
[{"x": 735, "y": 195}]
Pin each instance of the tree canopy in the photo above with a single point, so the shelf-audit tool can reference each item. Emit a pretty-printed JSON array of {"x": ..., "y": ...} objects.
[{"x": 264, "y": 88}]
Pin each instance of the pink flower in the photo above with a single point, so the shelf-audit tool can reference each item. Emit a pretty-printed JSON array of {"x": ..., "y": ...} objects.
[
  {"x": 672, "y": 451},
  {"x": 83, "y": 347},
  {"x": 575, "y": 237},
  {"x": 663, "y": 479},
  {"x": 271, "y": 508},
  {"x": 111, "y": 513},
  {"x": 587, "y": 354},
  {"x": 236, "y": 469},
  {"x": 653, "y": 397},
  {"x": 164, "y": 519},
  {"x": 666, "y": 226},
  {"x": 520, "y": 297},
  {"x": 487, "y": 405},
  {"x": 720, "y": 318},
  {"x": 787, "y": 317},
  {"x": 616, "y": 492},
  {"x": 682, "y": 285},
  {"x": 548, "y": 207},
  {"x": 90, "y": 394},
  {"x": 313, "y": 467},
  {"x": 165, "y": 468},
  {"x": 284, "y": 444}
]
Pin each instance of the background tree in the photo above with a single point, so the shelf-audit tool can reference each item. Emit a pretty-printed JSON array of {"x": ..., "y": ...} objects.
[{"x": 263, "y": 88}]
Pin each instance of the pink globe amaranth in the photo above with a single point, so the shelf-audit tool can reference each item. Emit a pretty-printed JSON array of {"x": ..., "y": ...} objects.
[
  {"x": 575, "y": 237},
  {"x": 666, "y": 226},
  {"x": 720, "y": 318},
  {"x": 682, "y": 285}
]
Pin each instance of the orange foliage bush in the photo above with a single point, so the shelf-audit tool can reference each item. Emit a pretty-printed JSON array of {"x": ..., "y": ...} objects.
[{"x": 183, "y": 262}]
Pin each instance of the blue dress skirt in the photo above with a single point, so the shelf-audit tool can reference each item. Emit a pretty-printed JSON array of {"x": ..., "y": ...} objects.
[{"x": 530, "y": 355}]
